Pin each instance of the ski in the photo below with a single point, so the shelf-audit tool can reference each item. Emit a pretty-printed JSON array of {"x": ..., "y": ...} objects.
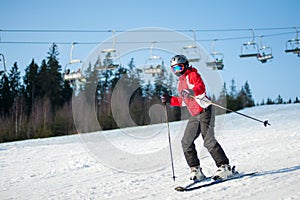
[
  {"x": 182, "y": 188},
  {"x": 192, "y": 186}
]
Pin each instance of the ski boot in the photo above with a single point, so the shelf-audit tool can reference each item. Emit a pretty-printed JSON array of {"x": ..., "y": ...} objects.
[
  {"x": 197, "y": 174},
  {"x": 225, "y": 172}
]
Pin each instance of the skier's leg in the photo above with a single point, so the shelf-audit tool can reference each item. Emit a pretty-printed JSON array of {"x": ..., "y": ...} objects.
[
  {"x": 207, "y": 123},
  {"x": 191, "y": 132}
]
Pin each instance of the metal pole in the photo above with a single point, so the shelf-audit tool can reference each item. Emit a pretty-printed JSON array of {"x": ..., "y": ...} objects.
[
  {"x": 3, "y": 60},
  {"x": 170, "y": 145},
  {"x": 264, "y": 122},
  {"x": 214, "y": 104}
]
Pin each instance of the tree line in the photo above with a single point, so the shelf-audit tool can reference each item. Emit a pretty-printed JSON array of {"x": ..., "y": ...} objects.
[
  {"x": 35, "y": 105},
  {"x": 39, "y": 104}
]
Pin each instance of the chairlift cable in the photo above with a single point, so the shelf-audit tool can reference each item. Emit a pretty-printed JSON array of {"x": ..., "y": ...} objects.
[
  {"x": 135, "y": 42},
  {"x": 103, "y": 31}
]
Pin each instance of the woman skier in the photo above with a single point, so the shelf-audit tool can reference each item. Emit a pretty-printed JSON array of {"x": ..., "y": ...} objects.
[{"x": 191, "y": 89}]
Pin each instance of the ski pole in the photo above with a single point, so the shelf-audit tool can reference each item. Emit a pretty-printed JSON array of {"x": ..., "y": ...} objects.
[
  {"x": 170, "y": 145},
  {"x": 264, "y": 122},
  {"x": 217, "y": 105}
]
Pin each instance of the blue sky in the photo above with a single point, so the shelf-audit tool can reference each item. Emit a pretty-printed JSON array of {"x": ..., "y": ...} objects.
[{"x": 280, "y": 76}]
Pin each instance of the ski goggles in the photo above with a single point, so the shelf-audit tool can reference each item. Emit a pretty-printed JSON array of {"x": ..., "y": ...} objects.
[{"x": 177, "y": 68}]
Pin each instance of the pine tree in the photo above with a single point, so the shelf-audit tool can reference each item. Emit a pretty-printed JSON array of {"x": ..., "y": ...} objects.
[
  {"x": 55, "y": 78},
  {"x": 249, "y": 99},
  {"x": 10, "y": 89},
  {"x": 279, "y": 100},
  {"x": 30, "y": 79},
  {"x": 17, "y": 100},
  {"x": 241, "y": 99},
  {"x": 6, "y": 98},
  {"x": 14, "y": 80},
  {"x": 222, "y": 100},
  {"x": 42, "y": 81},
  {"x": 232, "y": 91},
  {"x": 66, "y": 93},
  {"x": 231, "y": 98},
  {"x": 269, "y": 101}
]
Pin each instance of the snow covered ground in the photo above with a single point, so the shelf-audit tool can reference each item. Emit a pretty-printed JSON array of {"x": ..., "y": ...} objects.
[{"x": 134, "y": 163}]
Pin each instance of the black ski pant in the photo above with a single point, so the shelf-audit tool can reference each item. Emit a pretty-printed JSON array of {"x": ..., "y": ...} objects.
[{"x": 203, "y": 123}]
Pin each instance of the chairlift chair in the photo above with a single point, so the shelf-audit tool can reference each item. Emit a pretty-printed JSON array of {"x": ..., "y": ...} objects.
[
  {"x": 73, "y": 75},
  {"x": 154, "y": 64},
  {"x": 111, "y": 59},
  {"x": 3, "y": 61},
  {"x": 192, "y": 51},
  {"x": 249, "y": 49},
  {"x": 293, "y": 45},
  {"x": 153, "y": 71},
  {"x": 263, "y": 58},
  {"x": 216, "y": 59},
  {"x": 265, "y": 53}
]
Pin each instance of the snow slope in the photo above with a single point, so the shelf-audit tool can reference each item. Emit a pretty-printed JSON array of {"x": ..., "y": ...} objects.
[{"x": 92, "y": 167}]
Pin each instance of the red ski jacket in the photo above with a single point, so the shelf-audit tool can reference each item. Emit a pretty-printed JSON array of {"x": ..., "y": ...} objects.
[{"x": 190, "y": 80}]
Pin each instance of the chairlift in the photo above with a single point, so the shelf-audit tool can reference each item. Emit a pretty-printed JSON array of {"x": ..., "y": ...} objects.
[
  {"x": 265, "y": 53},
  {"x": 192, "y": 51},
  {"x": 293, "y": 45},
  {"x": 154, "y": 64},
  {"x": 216, "y": 59},
  {"x": 3, "y": 61},
  {"x": 249, "y": 49},
  {"x": 73, "y": 75},
  {"x": 111, "y": 59}
]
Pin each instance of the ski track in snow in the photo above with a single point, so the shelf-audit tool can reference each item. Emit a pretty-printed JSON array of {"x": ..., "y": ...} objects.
[{"x": 63, "y": 168}]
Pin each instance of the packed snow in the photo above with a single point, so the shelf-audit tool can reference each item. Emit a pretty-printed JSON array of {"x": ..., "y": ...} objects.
[{"x": 134, "y": 163}]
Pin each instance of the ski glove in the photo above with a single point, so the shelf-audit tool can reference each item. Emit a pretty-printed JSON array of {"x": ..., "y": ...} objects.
[
  {"x": 185, "y": 93},
  {"x": 165, "y": 98},
  {"x": 204, "y": 102}
]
